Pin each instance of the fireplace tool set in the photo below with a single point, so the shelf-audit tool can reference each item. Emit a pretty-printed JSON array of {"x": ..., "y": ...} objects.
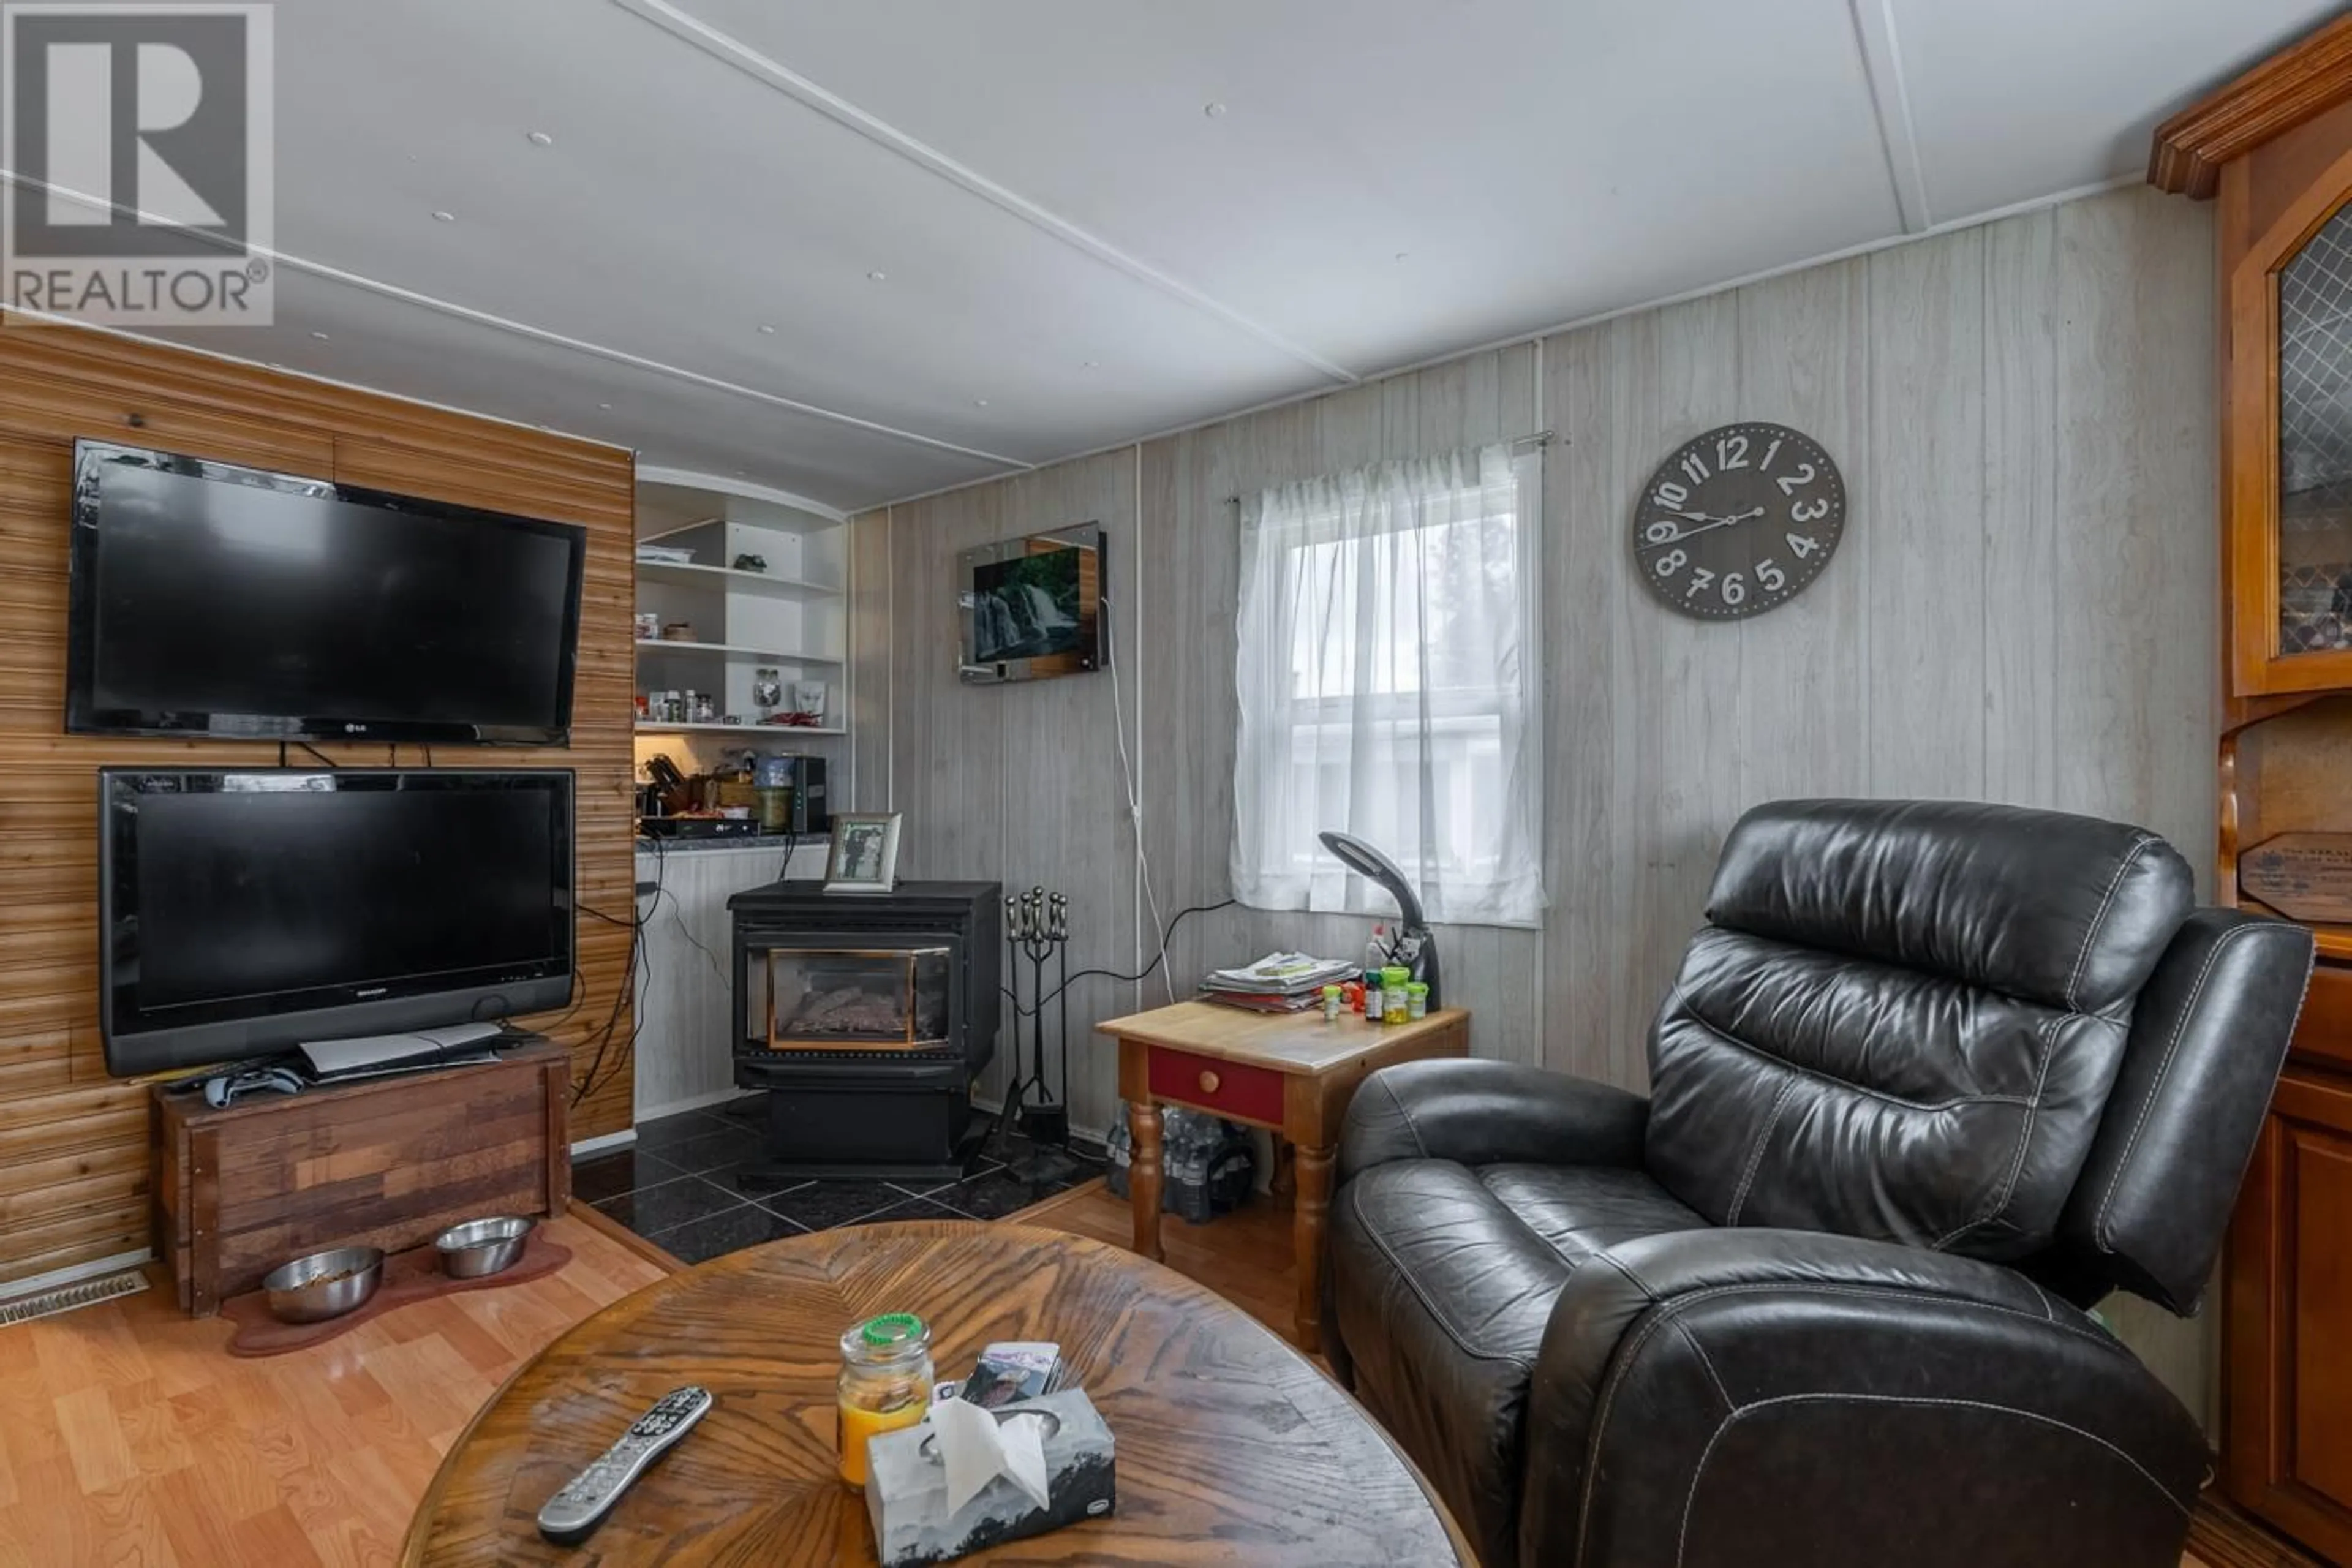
[{"x": 1037, "y": 927}]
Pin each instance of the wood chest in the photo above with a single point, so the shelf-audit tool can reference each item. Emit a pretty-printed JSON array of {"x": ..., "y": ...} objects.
[{"x": 385, "y": 1163}]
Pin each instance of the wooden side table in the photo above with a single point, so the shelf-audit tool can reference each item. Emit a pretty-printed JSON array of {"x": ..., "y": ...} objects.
[{"x": 1291, "y": 1074}]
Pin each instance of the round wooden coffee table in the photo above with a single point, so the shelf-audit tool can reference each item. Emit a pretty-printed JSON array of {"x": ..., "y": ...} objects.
[{"x": 1233, "y": 1448}]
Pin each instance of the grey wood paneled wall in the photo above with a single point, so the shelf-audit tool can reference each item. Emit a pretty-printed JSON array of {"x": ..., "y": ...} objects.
[
  {"x": 2023, "y": 609},
  {"x": 1019, "y": 783}
]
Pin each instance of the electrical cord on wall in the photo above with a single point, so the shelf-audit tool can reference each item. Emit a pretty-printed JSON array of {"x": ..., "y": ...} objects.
[
  {"x": 1143, "y": 973},
  {"x": 592, "y": 1078},
  {"x": 1134, "y": 795}
]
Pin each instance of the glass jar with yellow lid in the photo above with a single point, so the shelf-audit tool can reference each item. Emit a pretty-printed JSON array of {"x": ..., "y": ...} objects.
[{"x": 886, "y": 1384}]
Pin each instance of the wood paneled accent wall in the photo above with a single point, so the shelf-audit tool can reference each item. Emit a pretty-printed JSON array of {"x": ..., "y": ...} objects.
[
  {"x": 2023, "y": 610},
  {"x": 74, "y": 1179}
]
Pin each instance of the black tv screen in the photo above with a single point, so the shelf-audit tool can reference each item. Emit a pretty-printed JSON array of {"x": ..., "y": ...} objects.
[
  {"x": 215, "y": 600},
  {"x": 245, "y": 912}
]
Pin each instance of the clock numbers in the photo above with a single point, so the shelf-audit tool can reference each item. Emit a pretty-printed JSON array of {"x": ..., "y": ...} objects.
[{"x": 1714, "y": 540}]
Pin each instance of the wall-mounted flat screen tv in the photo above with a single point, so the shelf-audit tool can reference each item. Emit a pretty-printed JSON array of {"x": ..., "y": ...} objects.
[
  {"x": 212, "y": 600},
  {"x": 243, "y": 913},
  {"x": 1033, "y": 608}
]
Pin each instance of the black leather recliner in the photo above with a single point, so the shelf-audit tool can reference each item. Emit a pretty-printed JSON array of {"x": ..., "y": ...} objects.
[{"x": 1934, "y": 1078}]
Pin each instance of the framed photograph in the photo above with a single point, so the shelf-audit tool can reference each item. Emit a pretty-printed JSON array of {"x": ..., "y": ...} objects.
[{"x": 864, "y": 857}]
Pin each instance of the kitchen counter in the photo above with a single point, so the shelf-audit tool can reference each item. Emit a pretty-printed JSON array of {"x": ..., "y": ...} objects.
[{"x": 648, "y": 846}]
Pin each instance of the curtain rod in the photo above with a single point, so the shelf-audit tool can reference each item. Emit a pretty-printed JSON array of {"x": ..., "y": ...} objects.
[{"x": 1541, "y": 438}]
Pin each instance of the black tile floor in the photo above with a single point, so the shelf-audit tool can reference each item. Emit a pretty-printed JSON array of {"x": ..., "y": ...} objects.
[{"x": 678, "y": 1185}]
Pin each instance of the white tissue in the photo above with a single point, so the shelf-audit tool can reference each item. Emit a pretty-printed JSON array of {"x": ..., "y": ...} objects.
[{"x": 978, "y": 1447}]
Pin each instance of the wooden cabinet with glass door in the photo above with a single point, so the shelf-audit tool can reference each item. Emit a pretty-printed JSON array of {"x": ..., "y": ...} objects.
[{"x": 2274, "y": 149}]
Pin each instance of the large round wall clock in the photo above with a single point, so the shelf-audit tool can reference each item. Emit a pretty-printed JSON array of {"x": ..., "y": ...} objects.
[{"x": 1738, "y": 521}]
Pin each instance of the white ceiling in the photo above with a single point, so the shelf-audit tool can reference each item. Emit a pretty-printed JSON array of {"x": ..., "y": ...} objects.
[{"x": 1075, "y": 251}]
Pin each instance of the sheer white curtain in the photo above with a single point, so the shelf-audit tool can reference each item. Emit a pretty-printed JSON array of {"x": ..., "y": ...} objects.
[{"x": 1387, "y": 672}]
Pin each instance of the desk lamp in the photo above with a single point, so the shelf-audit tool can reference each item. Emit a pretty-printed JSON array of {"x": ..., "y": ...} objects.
[{"x": 1415, "y": 947}]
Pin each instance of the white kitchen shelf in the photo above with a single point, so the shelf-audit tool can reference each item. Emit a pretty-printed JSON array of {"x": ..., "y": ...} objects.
[
  {"x": 726, "y": 579},
  {"x": 728, "y": 651},
  {"x": 793, "y": 616},
  {"x": 647, "y": 727}
]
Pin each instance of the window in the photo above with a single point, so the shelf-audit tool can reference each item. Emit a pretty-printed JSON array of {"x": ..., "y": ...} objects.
[{"x": 1386, "y": 678}]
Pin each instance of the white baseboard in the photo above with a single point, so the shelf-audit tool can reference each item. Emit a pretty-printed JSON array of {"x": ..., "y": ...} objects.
[
  {"x": 1089, "y": 1134},
  {"x": 587, "y": 1146},
  {"x": 56, "y": 1279},
  {"x": 693, "y": 1103}
]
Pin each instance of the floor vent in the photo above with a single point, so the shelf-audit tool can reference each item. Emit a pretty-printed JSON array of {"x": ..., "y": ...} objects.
[{"x": 88, "y": 1293}]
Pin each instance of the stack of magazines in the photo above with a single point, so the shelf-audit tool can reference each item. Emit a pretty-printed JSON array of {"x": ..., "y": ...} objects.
[{"x": 1278, "y": 983}]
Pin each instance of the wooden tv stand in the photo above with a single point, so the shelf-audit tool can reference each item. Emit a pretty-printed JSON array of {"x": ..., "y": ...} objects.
[{"x": 386, "y": 1162}]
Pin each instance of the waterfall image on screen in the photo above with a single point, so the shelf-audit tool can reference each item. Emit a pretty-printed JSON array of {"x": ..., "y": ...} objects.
[{"x": 1026, "y": 608}]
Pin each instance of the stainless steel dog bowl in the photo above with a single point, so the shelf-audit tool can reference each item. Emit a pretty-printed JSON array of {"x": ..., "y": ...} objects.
[
  {"x": 481, "y": 1247},
  {"x": 324, "y": 1285}
]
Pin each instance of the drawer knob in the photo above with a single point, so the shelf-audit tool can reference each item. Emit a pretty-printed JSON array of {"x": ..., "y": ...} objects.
[{"x": 1209, "y": 1083}]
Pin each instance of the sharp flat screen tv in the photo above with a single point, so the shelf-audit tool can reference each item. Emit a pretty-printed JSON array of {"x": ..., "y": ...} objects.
[
  {"x": 242, "y": 913},
  {"x": 1033, "y": 609},
  {"x": 212, "y": 600}
]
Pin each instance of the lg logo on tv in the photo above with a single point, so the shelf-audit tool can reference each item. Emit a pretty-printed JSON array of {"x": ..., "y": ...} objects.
[{"x": 141, "y": 136}]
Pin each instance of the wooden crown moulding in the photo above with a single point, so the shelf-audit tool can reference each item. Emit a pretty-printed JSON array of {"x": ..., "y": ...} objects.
[{"x": 2304, "y": 80}]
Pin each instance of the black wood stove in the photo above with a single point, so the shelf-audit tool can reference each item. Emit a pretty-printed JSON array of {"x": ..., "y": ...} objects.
[{"x": 866, "y": 1017}]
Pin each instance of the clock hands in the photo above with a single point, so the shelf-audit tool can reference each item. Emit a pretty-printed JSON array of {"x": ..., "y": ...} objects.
[{"x": 1706, "y": 523}]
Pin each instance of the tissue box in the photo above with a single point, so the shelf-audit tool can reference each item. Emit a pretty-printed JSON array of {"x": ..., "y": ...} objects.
[{"x": 906, "y": 1488}]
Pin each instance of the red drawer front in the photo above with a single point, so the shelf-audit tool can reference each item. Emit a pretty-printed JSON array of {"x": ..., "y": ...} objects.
[{"x": 1234, "y": 1089}]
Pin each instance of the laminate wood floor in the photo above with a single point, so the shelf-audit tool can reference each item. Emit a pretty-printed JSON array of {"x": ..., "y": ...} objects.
[
  {"x": 129, "y": 1435},
  {"x": 129, "y": 1438}
]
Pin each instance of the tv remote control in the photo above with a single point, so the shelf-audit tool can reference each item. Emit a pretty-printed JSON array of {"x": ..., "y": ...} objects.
[{"x": 572, "y": 1514}]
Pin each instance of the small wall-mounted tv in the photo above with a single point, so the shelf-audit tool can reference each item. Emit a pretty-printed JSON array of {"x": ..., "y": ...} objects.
[
  {"x": 245, "y": 913},
  {"x": 212, "y": 600},
  {"x": 1033, "y": 608}
]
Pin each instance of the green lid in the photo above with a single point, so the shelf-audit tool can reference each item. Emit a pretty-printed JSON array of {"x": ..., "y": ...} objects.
[
  {"x": 1395, "y": 974},
  {"x": 1416, "y": 989},
  {"x": 891, "y": 1329}
]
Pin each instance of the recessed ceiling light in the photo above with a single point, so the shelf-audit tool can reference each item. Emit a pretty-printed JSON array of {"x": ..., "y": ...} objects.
[
  {"x": 445, "y": 218},
  {"x": 320, "y": 336},
  {"x": 1213, "y": 109},
  {"x": 766, "y": 331},
  {"x": 605, "y": 407},
  {"x": 878, "y": 277},
  {"x": 542, "y": 138},
  {"x": 980, "y": 402}
]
